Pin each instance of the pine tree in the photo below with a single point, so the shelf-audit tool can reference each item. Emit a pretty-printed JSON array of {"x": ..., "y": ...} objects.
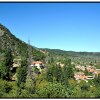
[
  {"x": 64, "y": 77},
  {"x": 8, "y": 63},
  {"x": 58, "y": 73},
  {"x": 50, "y": 74},
  {"x": 97, "y": 81},
  {"x": 69, "y": 71},
  {"x": 21, "y": 75},
  {"x": 69, "y": 62}
]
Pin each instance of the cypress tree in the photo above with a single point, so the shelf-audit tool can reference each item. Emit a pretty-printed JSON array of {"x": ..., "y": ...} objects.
[
  {"x": 58, "y": 73},
  {"x": 64, "y": 77},
  {"x": 8, "y": 63},
  {"x": 21, "y": 75}
]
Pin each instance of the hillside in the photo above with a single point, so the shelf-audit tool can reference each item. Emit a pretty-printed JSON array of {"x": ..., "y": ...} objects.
[
  {"x": 18, "y": 47},
  {"x": 75, "y": 56}
]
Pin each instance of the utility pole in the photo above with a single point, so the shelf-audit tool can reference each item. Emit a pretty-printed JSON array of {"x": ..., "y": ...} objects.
[
  {"x": 29, "y": 57},
  {"x": 30, "y": 77}
]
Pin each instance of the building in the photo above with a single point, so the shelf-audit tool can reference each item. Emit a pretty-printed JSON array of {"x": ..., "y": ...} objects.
[
  {"x": 61, "y": 64},
  {"x": 38, "y": 64},
  {"x": 80, "y": 76},
  {"x": 96, "y": 72},
  {"x": 91, "y": 68},
  {"x": 80, "y": 67}
]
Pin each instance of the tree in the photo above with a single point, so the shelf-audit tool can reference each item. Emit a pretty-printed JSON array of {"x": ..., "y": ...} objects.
[
  {"x": 52, "y": 60},
  {"x": 51, "y": 90},
  {"x": 97, "y": 81},
  {"x": 69, "y": 71},
  {"x": 21, "y": 75},
  {"x": 86, "y": 72},
  {"x": 58, "y": 73},
  {"x": 49, "y": 75},
  {"x": 8, "y": 63},
  {"x": 64, "y": 77},
  {"x": 69, "y": 62},
  {"x": 2, "y": 70},
  {"x": 97, "y": 92}
]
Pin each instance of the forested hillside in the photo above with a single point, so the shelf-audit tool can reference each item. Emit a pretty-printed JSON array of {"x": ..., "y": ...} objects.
[
  {"x": 17, "y": 46},
  {"x": 30, "y": 72},
  {"x": 83, "y": 57}
]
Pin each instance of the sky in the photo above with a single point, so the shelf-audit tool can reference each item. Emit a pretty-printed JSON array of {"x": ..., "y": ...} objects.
[{"x": 65, "y": 26}]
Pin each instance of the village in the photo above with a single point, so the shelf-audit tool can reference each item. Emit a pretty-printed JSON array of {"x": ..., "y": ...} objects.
[
  {"x": 38, "y": 66},
  {"x": 90, "y": 69},
  {"x": 80, "y": 74}
]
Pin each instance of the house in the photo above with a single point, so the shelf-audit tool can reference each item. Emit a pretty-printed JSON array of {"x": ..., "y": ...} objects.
[
  {"x": 38, "y": 64},
  {"x": 80, "y": 67},
  {"x": 61, "y": 64},
  {"x": 90, "y": 68},
  {"x": 96, "y": 72},
  {"x": 80, "y": 76}
]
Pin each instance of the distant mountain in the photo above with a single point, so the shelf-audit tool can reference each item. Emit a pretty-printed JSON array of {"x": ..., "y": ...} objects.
[
  {"x": 70, "y": 53},
  {"x": 75, "y": 56}
]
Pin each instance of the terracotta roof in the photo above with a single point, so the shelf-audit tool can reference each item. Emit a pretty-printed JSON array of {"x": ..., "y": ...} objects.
[
  {"x": 37, "y": 62},
  {"x": 80, "y": 76}
]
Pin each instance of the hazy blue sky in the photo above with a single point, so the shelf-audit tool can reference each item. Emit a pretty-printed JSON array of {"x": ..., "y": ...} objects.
[{"x": 66, "y": 26}]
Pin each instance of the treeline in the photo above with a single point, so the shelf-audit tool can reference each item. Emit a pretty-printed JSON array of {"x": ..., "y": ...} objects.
[
  {"x": 54, "y": 82},
  {"x": 82, "y": 57}
]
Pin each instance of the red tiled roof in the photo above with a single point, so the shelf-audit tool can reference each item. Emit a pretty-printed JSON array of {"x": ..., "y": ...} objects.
[{"x": 37, "y": 62}]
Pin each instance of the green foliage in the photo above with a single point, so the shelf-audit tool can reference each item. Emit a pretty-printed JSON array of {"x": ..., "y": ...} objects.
[
  {"x": 86, "y": 72},
  {"x": 21, "y": 75},
  {"x": 76, "y": 57},
  {"x": 52, "y": 90},
  {"x": 50, "y": 73},
  {"x": 97, "y": 65},
  {"x": 22, "y": 72},
  {"x": 30, "y": 85},
  {"x": 37, "y": 55},
  {"x": 36, "y": 70},
  {"x": 58, "y": 73},
  {"x": 97, "y": 81},
  {"x": 69, "y": 72},
  {"x": 68, "y": 62},
  {"x": 8, "y": 63},
  {"x": 97, "y": 92},
  {"x": 2, "y": 70},
  {"x": 6, "y": 88},
  {"x": 64, "y": 77}
]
